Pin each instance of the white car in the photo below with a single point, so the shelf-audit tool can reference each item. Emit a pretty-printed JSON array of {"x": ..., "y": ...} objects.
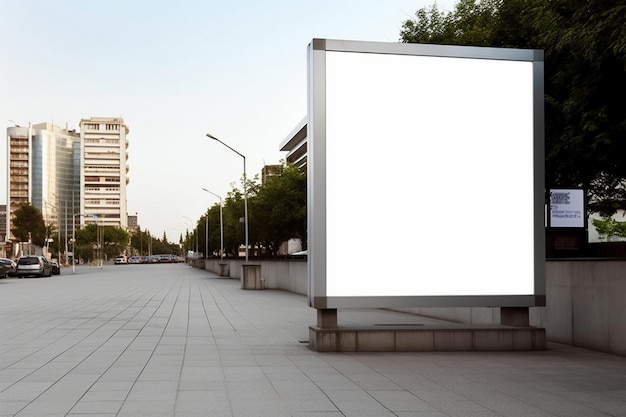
[{"x": 121, "y": 260}]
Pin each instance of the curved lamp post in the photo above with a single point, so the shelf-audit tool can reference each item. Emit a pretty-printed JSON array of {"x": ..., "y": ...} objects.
[
  {"x": 74, "y": 241},
  {"x": 245, "y": 191},
  {"x": 194, "y": 233},
  {"x": 221, "y": 225}
]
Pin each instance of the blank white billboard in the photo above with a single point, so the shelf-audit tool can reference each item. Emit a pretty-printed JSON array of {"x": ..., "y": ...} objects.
[{"x": 425, "y": 175}]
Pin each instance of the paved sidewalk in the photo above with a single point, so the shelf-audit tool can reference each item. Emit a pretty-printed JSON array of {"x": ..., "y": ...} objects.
[{"x": 171, "y": 340}]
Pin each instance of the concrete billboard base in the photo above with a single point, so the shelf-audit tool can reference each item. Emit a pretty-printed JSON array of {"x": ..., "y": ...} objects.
[{"x": 427, "y": 338}]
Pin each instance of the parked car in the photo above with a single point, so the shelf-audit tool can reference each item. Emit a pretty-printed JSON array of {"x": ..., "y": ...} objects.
[
  {"x": 164, "y": 258},
  {"x": 56, "y": 269},
  {"x": 4, "y": 271},
  {"x": 135, "y": 260},
  {"x": 33, "y": 265},
  {"x": 121, "y": 260},
  {"x": 11, "y": 266}
]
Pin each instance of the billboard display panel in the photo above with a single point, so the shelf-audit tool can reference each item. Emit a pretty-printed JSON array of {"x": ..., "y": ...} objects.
[{"x": 425, "y": 175}]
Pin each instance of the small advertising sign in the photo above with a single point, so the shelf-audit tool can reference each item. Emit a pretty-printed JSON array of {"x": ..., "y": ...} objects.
[{"x": 567, "y": 208}]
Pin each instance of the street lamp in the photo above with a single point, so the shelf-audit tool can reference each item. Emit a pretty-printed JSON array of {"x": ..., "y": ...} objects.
[
  {"x": 206, "y": 235},
  {"x": 58, "y": 226},
  {"x": 74, "y": 240},
  {"x": 245, "y": 191},
  {"x": 195, "y": 234},
  {"x": 221, "y": 225}
]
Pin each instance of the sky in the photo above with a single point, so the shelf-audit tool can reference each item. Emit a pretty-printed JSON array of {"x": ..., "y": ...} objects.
[{"x": 175, "y": 70}]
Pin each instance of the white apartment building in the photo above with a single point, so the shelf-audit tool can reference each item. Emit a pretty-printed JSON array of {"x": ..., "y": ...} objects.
[{"x": 104, "y": 171}]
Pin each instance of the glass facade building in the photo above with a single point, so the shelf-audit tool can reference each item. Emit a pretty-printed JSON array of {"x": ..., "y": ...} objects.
[{"x": 43, "y": 169}]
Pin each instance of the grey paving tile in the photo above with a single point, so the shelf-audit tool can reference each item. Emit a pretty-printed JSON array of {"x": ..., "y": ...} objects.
[
  {"x": 99, "y": 407},
  {"x": 147, "y": 390},
  {"x": 104, "y": 395},
  {"x": 147, "y": 408},
  {"x": 24, "y": 391},
  {"x": 401, "y": 401},
  {"x": 300, "y": 404},
  {"x": 90, "y": 415},
  {"x": 11, "y": 407},
  {"x": 259, "y": 408},
  {"x": 421, "y": 414}
]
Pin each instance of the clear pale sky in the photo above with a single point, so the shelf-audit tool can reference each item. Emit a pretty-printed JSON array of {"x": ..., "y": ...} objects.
[{"x": 175, "y": 70}]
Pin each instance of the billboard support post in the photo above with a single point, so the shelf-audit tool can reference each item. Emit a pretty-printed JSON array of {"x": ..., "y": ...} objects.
[{"x": 327, "y": 318}]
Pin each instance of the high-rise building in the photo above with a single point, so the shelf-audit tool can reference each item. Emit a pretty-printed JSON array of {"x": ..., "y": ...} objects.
[
  {"x": 104, "y": 171},
  {"x": 43, "y": 169}
]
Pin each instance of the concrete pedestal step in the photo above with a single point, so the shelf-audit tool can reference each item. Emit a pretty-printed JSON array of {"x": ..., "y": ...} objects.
[{"x": 427, "y": 338}]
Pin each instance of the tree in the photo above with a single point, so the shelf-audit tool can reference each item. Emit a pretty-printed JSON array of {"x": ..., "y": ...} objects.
[
  {"x": 52, "y": 234},
  {"x": 114, "y": 241},
  {"x": 28, "y": 224},
  {"x": 607, "y": 227},
  {"x": 279, "y": 209},
  {"x": 234, "y": 228},
  {"x": 233, "y": 214},
  {"x": 276, "y": 210},
  {"x": 585, "y": 80},
  {"x": 472, "y": 23},
  {"x": 142, "y": 243}
]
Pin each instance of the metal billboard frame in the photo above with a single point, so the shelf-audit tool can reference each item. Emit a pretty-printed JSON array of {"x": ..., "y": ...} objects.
[{"x": 318, "y": 268}]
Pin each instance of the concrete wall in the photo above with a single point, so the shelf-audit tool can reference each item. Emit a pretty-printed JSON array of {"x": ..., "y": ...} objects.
[
  {"x": 283, "y": 275},
  {"x": 586, "y": 304},
  {"x": 586, "y": 300}
]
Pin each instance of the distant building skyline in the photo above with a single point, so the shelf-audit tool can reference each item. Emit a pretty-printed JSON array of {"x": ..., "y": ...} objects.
[{"x": 63, "y": 173}]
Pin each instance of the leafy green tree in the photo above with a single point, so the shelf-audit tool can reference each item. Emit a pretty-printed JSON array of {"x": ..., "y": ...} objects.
[
  {"x": 51, "y": 233},
  {"x": 233, "y": 212},
  {"x": 114, "y": 241},
  {"x": 276, "y": 211},
  {"x": 139, "y": 242},
  {"x": 163, "y": 246},
  {"x": 28, "y": 224},
  {"x": 608, "y": 227},
  {"x": 279, "y": 209},
  {"x": 143, "y": 243},
  {"x": 585, "y": 79}
]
